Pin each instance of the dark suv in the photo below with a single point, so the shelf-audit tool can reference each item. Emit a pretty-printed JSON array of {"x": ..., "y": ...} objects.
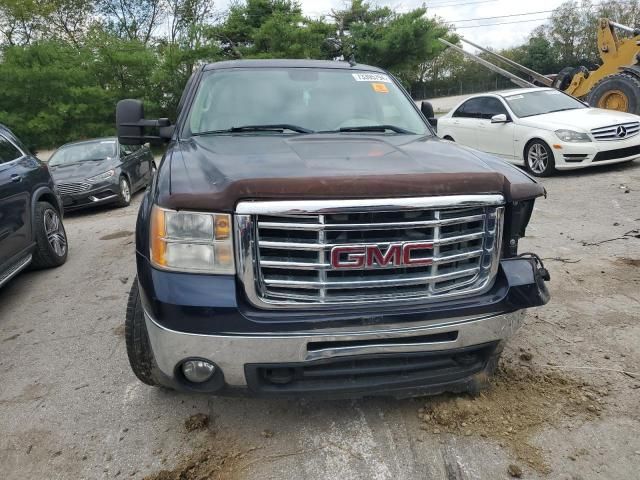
[
  {"x": 307, "y": 233},
  {"x": 31, "y": 229}
]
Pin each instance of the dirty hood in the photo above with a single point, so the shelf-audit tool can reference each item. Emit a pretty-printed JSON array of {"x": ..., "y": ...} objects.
[
  {"x": 80, "y": 171},
  {"x": 215, "y": 172}
]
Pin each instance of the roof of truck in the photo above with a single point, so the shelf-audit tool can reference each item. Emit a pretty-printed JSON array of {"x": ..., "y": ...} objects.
[{"x": 278, "y": 63}]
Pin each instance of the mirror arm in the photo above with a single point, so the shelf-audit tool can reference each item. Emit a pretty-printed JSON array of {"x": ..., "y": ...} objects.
[{"x": 160, "y": 122}]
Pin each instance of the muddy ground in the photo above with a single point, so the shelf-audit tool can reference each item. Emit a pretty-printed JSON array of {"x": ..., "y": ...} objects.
[{"x": 565, "y": 404}]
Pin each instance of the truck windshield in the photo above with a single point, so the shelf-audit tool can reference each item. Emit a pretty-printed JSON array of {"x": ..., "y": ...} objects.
[
  {"x": 302, "y": 100},
  {"x": 540, "y": 102}
]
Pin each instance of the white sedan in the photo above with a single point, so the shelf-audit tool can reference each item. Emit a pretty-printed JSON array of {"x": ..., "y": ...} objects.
[{"x": 543, "y": 129}]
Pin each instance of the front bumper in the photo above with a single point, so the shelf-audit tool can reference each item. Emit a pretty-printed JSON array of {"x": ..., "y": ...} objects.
[
  {"x": 580, "y": 155},
  {"x": 422, "y": 357},
  {"x": 400, "y": 350},
  {"x": 100, "y": 194}
]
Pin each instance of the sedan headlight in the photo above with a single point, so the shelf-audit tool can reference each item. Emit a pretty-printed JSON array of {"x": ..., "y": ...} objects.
[
  {"x": 191, "y": 241},
  {"x": 102, "y": 176},
  {"x": 572, "y": 136}
]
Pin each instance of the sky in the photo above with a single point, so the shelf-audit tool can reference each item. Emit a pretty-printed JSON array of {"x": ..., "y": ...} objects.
[{"x": 454, "y": 11}]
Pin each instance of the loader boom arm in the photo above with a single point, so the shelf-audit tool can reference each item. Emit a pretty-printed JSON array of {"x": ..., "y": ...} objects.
[
  {"x": 514, "y": 78},
  {"x": 538, "y": 76}
]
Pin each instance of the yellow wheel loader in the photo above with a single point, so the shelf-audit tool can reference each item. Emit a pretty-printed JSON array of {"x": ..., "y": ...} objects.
[{"x": 615, "y": 85}]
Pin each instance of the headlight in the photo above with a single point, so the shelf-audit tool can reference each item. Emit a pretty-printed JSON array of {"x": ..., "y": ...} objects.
[
  {"x": 191, "y": 241},
  {"x": 571, "y": 136},
  {"x": 102, "y": 176}
]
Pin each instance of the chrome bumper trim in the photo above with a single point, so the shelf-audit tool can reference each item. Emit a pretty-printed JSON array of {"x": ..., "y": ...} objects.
[
  {"x": 232, "y": 352},
  {"x": 103, "y": 199}
]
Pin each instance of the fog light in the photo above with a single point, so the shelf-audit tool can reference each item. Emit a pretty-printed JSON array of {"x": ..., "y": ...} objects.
[{"x": 198, "y": 371}]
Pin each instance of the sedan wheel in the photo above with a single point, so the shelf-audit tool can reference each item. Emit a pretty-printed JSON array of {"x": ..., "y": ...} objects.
[
  {"x": 125, "y": 193},
  {"x": 539, "y": 159}
]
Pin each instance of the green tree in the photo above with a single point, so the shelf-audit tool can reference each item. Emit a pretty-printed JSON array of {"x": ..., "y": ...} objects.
[
  {"x": 398, "y": 42},
  {"x": 49, "y": 96}
]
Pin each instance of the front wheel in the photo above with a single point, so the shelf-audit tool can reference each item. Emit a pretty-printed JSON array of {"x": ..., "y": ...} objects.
[
  {"x": 51, "y": 237},
  {"x": 138, "y": 346},
  {"x": 124, "y": 196},
  {"x": 539, "y": 159}
]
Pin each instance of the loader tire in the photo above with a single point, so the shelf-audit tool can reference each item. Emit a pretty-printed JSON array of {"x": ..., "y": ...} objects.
[
  {"x": 619, "y": 92},
  {"x": 564, "y": 78}
]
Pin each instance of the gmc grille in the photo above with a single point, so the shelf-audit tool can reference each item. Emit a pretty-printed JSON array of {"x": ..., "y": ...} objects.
[
  {"x": 72, "y": 188},
  {"x": 285, "y": 249}
]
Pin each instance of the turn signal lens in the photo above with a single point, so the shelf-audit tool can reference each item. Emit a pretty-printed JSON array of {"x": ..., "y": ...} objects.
[
  {"x": 191, "y": 241},
  {"x": 223, "y": 227},
  {"x": 158, "y": 233}
]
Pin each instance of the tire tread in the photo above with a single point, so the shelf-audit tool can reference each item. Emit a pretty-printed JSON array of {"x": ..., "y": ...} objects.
[{"x": 137, "y": 339}]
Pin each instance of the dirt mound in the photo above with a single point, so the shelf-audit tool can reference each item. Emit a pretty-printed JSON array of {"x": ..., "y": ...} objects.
[
  {"x": 199, "y": 421},
  {"x": 208, "y": 464},
  {"x": 520, "y": 402}
]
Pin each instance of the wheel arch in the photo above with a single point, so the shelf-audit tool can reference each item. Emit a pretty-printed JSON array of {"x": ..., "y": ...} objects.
[{"x": 44, "y": 194}]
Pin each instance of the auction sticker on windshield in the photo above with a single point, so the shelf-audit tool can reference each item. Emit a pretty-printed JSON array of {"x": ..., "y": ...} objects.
[
  {"x": 380, "y": 88},
  {"x": 371, "y": 77}
]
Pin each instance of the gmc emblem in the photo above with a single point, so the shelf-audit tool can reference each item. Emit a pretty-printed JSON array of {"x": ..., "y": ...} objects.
[{"x": 368, "y": 256}]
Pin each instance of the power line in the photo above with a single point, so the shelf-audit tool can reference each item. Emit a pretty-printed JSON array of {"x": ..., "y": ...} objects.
[
  {"x": 499, "y": 16},
  {"x": 458, "y": 4},
  {"x": 504, "y": 23}
]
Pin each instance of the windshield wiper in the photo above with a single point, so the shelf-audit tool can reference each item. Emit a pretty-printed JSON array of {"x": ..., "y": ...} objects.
[
  {"x": 564, "y": 109},
  {"x": 276, "y": 127},
  {"x": 371, "y": 128}
]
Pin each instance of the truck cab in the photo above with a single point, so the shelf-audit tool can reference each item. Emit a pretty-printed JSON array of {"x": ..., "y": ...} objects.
[{"x": 307, "y": 233}]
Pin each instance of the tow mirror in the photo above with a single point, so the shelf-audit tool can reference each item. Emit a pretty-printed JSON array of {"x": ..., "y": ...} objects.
[
  {"x": 427, "y": 110},
  {"x": 500, "y": 118},
  {"x": 130, "y": 123}
]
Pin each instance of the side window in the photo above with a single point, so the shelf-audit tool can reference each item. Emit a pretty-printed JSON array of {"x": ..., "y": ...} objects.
[
  {"x": 490, "y": 107},
  {"x": 460, "y": 111},
  {"x": 470, "y": 109},
  {"x": 8, "y": 151},
  {"x": 129, "y": 149}
]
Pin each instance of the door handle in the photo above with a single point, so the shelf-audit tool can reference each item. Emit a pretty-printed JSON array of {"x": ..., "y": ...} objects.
[{"x": 16, "y": 178}]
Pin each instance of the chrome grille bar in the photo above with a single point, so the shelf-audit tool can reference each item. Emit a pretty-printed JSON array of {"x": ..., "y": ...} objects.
[
  {"x": 396, "y": 282},
  {"x": 320, "y": 246},
  {"x": 72, "y": 188},
  {"x": 284, "y": 249},
  {"x": 612, "y": 132},
  {"x": 326, "y": 266},
  {"x": 366, "y": 226}
]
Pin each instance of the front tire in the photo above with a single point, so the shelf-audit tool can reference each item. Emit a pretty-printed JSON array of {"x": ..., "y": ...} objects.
[
  {"x": 51, "y": 237},
  {"x": 138, "y": 346},
  {"x": 619, "y": 92},
  {"x": 539, "y": 159},
  {"x": 124, "y": 197}
]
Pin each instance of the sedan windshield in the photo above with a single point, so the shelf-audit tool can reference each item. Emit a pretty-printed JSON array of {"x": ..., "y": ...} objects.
[
  {"x": 542, "y": 101},
  {"x": 301, "y": 100},
  {"x": 83, "y": 152}
]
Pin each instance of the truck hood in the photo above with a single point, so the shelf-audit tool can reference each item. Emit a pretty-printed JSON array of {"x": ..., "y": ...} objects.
[
  {"x": 215, "y": 172},
  {"x": 583, "y": 119}
]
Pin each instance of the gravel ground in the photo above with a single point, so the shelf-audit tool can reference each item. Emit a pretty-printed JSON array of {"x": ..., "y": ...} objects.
[{"x": 562, "y": 408}]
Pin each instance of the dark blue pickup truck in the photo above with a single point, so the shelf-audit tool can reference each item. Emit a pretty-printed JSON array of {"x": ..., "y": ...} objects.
[{"x": 308, "y": 234}]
